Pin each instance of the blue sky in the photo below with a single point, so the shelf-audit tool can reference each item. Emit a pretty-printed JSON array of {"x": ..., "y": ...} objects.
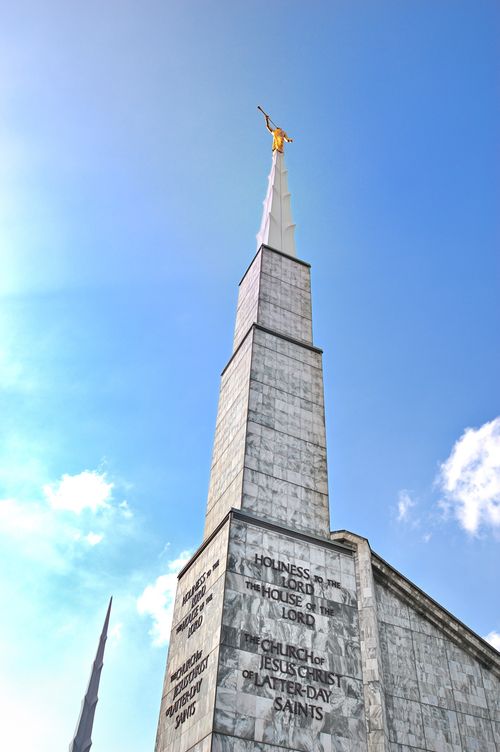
[{"x": 133, "y": 165}]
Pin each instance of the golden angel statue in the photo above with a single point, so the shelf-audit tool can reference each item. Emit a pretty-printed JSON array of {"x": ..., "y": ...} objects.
[{"x": 279, "y": 135}]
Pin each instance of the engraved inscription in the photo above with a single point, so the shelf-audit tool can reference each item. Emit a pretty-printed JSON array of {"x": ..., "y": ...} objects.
[
  {"x": 303, "y": 669},
  {"x": 189, "y": 671}
]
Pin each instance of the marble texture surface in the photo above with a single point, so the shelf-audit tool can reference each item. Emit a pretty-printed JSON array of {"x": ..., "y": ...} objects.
[
  {"x": 248, "y": 301},
  {"x": 269, "y": 454},
  {"x": 268, "y": 656},
  {"x": 439, "y": 698},
  {"x": 190, "y": 677}
]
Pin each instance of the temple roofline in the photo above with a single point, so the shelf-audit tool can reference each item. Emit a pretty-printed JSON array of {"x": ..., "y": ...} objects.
[{"x": 454, "y": 629}]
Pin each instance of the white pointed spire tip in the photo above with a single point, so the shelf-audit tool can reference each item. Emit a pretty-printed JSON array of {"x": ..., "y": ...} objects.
[{"x": 277, "y": 227}]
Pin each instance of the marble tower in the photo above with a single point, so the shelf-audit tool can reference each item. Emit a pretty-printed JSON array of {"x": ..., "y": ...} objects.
[{"x": 287, "y": 636}]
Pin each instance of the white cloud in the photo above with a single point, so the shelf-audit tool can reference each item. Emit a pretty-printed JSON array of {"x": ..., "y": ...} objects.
[
  {"x": 157, "y": 600},
  {"x": 87, "y": 490},
  {"x": 405, "y": 503},
  {"x": 470, "y": 478},
  {"x": 51, "y": 531},
  {"x": 494, "y": 639},
  {"x": 94, "y": 538},
  {"x": 115, "y": 633},
  {"x": 43, "y": 535}
]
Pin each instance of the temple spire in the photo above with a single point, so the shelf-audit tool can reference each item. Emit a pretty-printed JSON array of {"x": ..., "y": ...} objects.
[
  {"x": 82, "y": 741},
  {"x": 277, "y": 227}
]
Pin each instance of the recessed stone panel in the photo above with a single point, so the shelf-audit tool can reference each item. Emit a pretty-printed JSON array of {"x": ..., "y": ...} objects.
[
  {"x": 398, "y": 661},
  {"x": 404, "y": 720},
  {"x": 186, "y": 712},
  {"x": 290, "y": 660},
  {"x": 476, "y": 733}
]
